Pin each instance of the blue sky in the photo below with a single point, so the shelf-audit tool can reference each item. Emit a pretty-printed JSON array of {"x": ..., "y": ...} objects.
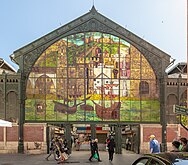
[{"x": 161, "y": 22}]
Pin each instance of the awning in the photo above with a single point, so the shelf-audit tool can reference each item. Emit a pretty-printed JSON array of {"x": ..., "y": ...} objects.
[{"x": 4, "y": 123}]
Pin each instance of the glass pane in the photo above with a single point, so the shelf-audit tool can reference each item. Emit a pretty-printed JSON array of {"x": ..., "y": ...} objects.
[
  {"x": 92, "y": 76},
  {"x": 141, "y": 161}
]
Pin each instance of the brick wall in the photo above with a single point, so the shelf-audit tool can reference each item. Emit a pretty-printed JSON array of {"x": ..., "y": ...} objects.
[
  {"x": 154, "y": 130},
  {"x": 145, "y": 132},
  {"x": 172, "y": 132},
  {"x": 12, "y": 133},
  {"x": 33, "y": 133},
  {"x": 183, "y": 133}
]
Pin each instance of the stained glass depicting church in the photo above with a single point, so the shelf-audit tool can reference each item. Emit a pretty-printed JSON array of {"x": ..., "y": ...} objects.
[{"x": 92, "y": 76}]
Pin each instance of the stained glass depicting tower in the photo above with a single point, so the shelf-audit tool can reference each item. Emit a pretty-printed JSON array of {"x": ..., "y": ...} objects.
[{"x": 92, "y": 76}]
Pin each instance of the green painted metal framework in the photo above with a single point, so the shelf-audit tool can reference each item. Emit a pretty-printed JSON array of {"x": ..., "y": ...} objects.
[{"x": 92, "y": 21}]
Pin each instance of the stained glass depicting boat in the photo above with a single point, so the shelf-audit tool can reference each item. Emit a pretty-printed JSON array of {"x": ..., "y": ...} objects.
[{"x": 91, "y": 77}]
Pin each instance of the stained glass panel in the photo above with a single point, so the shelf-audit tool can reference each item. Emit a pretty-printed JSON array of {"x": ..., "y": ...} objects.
[{"x": 92, "y": 77}]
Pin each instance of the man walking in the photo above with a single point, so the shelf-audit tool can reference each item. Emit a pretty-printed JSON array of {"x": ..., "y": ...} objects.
[
  {"x": 154, "y": 145},
  {"x": 111, "y": 146}
]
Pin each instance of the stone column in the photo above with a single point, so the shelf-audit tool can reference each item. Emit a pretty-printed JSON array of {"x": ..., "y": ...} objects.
[
  {"x": 22, "y": 107},
  {"x": 163, "y": 111},
  {"x": 93, "y": 131},
  {"x": 5, "y": 136},
  {"x": 118, "y": 139},
  {"x": 68, "y": 136},
  {"x": 47, "y": 138}
]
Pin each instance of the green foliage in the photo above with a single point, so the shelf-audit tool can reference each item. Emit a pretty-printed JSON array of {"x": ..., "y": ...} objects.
[{"x": 51, "y": 59}]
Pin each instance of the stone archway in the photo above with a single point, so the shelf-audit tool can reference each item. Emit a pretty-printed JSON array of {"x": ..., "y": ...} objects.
[{"x": 183, "y": 99}]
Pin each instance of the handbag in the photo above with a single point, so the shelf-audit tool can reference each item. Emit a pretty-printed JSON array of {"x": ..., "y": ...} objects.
[{"x": 95, "y": 156}]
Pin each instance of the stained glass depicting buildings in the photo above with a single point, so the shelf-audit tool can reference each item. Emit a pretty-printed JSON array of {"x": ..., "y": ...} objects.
[{"x": 92, "y": 77}]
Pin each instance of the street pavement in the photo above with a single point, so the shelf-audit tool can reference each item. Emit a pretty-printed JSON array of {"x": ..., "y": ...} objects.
[{"x": 77, "y": 157}]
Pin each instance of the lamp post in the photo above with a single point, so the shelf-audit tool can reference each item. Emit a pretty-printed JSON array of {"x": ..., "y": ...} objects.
[
  {"x": 21, "y": 117},
  {"x": 163, "y": 110},
  {"x": 22, "y": 107}
]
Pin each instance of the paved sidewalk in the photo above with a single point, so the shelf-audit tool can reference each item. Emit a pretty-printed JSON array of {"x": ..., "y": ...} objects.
[{"x": 77, "y": 157}]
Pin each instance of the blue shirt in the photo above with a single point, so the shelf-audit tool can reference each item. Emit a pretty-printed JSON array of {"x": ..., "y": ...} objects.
[{"x": 155, "y": 145}]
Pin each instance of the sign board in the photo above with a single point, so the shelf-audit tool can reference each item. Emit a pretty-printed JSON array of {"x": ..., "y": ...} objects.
[
  {"x": 180, "y": 110},
  {"x": 106, "y": 128}
]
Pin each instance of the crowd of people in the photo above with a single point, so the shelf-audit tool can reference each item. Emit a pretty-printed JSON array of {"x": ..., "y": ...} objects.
[
  {"x": 180, "y": 144},
  {"x": 59, "y": 149}
]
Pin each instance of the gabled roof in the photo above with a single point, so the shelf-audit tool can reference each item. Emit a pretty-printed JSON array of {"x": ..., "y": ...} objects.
[
  {"x": 92, "y": 21},
  {"x": 101, "y": 74},
  {"x": 4, "y": 66},
  {"x": 97, "y": 22},
  {"x": 178, "y": 68}
]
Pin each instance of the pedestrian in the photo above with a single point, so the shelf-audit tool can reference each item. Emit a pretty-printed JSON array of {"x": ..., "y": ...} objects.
[
  {"x": 127, "y": 143},
  {"x": 52, "y": 149},
  {"x": 77, "y": 145},
  {"x": 66, "y": 149},
  {"x": 94, "y": 149},
  {"x": 107, "y": 141},
  {"x": 57, "y": 150},
  {"x": 184, "y": 143},
  {"x": 175, "y": 146},
  {"x": 111, "y": 146},
  {"x": 91, "y": 145},
  {"x": 178, "y": 139},
  {"x": 154, "y": 145}
]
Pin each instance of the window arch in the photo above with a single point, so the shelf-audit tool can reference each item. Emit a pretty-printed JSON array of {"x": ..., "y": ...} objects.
[
  {"x": 12, "y": 113},
  {"x": 183, "y": 99},
  {"x": 144, "y": 87},
  {"x": 171, "y": 116}
]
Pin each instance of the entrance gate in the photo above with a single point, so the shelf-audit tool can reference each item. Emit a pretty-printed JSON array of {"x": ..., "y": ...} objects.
[{"x": 84, "y": 133}]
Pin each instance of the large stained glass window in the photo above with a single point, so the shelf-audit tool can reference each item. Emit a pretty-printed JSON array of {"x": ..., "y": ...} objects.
[{"x": 92, "y": 77}]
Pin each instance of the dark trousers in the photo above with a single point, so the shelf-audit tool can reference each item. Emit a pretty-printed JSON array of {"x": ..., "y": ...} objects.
[
  {"x": 93, "y": 153},
  {"x": 111, "y": 155}
]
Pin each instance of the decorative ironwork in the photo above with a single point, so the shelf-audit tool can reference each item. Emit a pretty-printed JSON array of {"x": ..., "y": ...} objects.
[{"x": 93, "y": 25}]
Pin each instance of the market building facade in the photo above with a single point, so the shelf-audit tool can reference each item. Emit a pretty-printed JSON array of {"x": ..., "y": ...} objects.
[{"x": 93, "y": 72}]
